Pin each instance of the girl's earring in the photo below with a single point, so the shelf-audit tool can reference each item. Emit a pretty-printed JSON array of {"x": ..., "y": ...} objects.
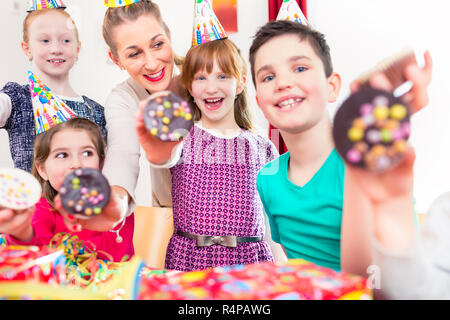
[{"x": 30, "y": 61}]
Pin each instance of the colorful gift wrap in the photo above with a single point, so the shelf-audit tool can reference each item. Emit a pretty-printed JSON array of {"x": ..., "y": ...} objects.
[
  {"x": 295, "y": 280},
  {"x": 48, "y": 273},
  {"x": 34, "y": 5},
  {"x": 65, "y": 270},
  {"x": 3, "y": 242},
  {"x": 123, "y": 286},
  {"x": 32, "y": 264}
]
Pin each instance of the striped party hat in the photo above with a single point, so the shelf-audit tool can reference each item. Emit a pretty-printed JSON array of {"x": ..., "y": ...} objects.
[
  {"x": 119, "y": 3},
  {"x": 34, "y": 5},
  {"x": 206, "y": 25},
  {"x": 48, "y": 109}
]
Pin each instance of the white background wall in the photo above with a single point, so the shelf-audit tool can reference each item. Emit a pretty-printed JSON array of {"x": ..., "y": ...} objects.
[{"x": 359, "y": 32}]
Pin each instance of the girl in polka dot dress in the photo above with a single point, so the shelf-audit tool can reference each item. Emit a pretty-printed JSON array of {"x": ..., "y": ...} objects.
[{"x": 218, "y": 215}]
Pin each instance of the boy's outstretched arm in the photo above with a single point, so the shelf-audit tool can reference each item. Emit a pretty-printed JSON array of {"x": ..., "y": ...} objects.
[
  {"x": 377, "y": 206},
  {"x": 356, "y": 227},
  {"x": 359, "y": 209}
]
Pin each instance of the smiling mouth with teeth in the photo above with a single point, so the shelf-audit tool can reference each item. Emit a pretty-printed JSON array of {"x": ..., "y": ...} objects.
[
  {"x": 56, "y": 60},
  {"x": 155, "y": 77},
  {"x": 213, "y": 100},
  {"x": 288, "y": 103},
  {"x": 213, "y": 103}
]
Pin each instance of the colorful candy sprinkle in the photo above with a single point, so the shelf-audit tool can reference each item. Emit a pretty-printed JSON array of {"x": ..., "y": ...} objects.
[
  {"x": 354, "y": 156},
  {"x": 381, "y": 112},
  {"x": 355, "y": 134},
  {"x": 398, "y": 112}
]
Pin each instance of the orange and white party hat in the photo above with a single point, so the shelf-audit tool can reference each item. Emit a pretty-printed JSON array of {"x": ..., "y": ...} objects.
[
  {"x": 48, "y": 109},
  {"x": 34, "y": 5},
  {"x": 119, "y": 3},
  {"x": 206, "y": 25},
  {"x": 291, "y": 11}
]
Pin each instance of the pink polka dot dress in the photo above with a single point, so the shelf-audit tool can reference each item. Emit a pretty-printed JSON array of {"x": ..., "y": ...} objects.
[{"x": 214, "y": 193}]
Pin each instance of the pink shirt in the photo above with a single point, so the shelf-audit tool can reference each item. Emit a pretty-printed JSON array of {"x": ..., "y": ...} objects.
[{"x": 47, "y": 222}]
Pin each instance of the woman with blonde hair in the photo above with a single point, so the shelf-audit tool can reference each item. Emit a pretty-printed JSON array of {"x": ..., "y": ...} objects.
[{"x": 139, "y": 42}]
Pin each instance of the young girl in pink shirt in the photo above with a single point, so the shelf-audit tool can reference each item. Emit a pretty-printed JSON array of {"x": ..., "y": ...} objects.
[{"x": 77, "y": 143}]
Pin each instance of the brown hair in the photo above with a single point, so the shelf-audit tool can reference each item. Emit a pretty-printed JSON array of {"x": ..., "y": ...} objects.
[
  {"x": 230, "y": 61},
  {"x": 42, "y": 149},
  {"x": 277, "y": 28},
  {"x": 33, "y": 14},
  {"x": 116, "y": 16}
]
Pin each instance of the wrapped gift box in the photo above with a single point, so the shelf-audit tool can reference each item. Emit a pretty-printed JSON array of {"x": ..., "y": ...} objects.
[
  {"x": 32, "y": 264},
  {"x": 296, "y": 279}
]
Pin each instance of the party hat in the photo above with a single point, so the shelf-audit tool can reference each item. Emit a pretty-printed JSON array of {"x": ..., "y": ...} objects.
[
  {"x": 290, "y": 10},
  {"x": 48, "y": 109},
  {"x": 206, "y": 25},
  {"x": 34, "y": 5},
  {"x": 119, "y": 3}
]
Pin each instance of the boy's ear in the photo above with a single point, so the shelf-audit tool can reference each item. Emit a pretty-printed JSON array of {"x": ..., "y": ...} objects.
[
  {"x": 334, "y": 87},
  {"x": 41, "y": 170},
  {"x": 26, "y": 50},
  {"x": 114, "y": 59}
]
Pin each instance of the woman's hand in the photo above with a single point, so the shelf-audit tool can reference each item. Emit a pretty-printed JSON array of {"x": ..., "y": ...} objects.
[
  {"x": 417, "y": 97},
  {"x": 17, "y": 223},
  {"x": 157, "y": 151}
]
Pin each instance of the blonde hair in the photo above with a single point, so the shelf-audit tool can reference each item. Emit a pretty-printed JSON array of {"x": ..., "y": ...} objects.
[
  {"x": 230, "y": 61},
  {"x": 114, "y": 17},
  {"x": 34, "y": 14},
  {"x": 42, "y": 149}
]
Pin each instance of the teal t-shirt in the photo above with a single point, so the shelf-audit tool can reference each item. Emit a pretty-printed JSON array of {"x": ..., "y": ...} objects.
[{"x": 305, "y": 220}]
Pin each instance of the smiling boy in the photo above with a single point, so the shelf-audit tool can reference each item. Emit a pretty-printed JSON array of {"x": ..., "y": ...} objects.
[{"x": 294, "y": 79}]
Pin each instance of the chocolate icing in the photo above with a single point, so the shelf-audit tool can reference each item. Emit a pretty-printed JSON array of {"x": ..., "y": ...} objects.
[
  {"x": 167, "y": 116},
  {"x": 371, "y": 129},
  {"x": 85, "y": 192}
]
